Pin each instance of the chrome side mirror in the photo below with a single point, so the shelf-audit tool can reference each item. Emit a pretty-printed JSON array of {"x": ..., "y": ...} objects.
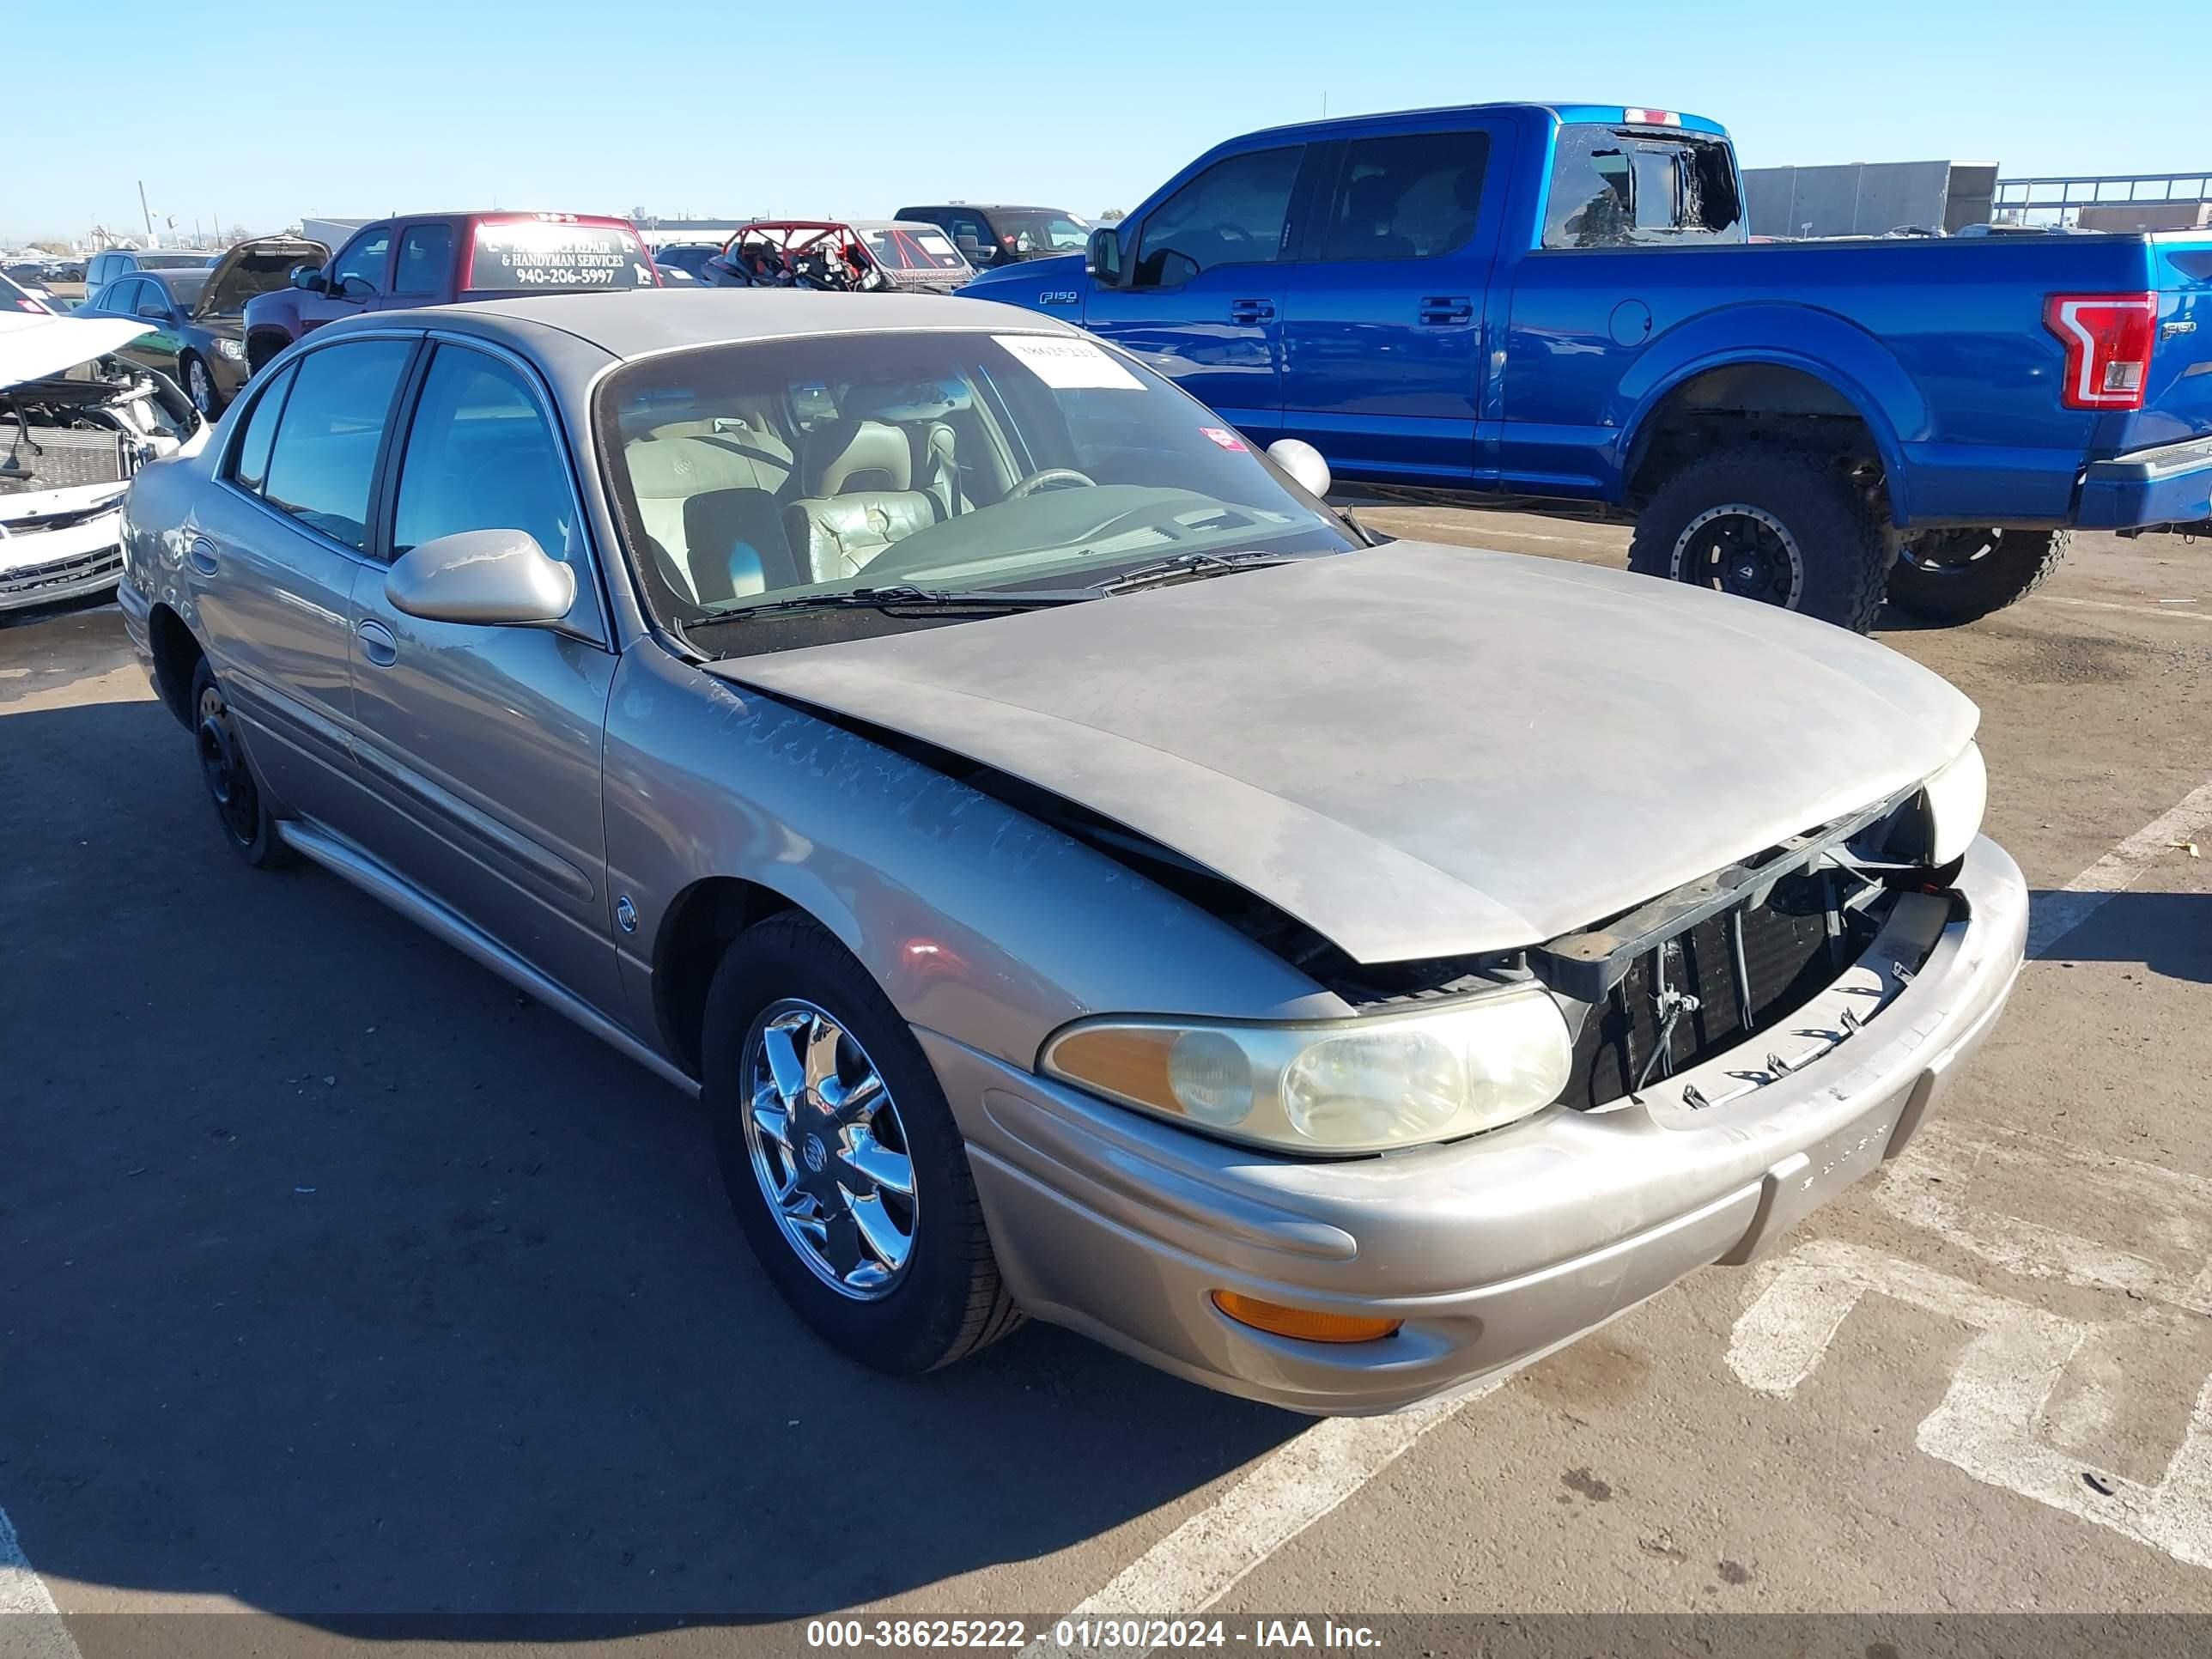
[
  {"x": 1302, "y": 462},
  {"x": 484, "y": 576}
]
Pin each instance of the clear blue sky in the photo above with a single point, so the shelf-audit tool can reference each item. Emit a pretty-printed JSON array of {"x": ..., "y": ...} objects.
[{"x": 265, "y": 110}]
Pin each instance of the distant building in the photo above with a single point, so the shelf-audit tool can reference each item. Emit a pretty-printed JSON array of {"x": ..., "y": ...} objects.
[{"x": 1869, "y": 198}]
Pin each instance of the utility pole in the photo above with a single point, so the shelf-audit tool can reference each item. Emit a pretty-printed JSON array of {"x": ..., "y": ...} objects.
[{"x": 145, "y": 212}]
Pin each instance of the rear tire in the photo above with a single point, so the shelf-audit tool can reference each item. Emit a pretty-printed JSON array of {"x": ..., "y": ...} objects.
[
  {"x": 1961, "y": 575},
  {"x": 240, "y": 808},
  {"x": 935, "y": 1295},
  {"x": 1769, "y": 524}
]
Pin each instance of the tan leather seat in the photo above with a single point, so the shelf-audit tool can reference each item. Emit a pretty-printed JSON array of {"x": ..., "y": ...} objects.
[
  {"x": 859, "y": 498},
  {"x": 708, "y": 500}
]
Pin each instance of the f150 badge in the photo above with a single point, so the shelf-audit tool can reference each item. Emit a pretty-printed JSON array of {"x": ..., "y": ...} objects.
[{"x": 1059, "y": 297}]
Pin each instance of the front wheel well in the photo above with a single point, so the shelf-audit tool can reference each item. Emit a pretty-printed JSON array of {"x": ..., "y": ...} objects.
[
  {"x": 1742, "y": 403},
  {"x": 702, "y": 922},
  {"x": 176, "y": 654}
]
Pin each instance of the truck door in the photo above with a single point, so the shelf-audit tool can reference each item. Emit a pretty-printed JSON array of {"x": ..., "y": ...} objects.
[
  {"x": 354, "y": 282},
  {"x": 1204, "y": 298},
  {"x": 1383, "y": 314}
]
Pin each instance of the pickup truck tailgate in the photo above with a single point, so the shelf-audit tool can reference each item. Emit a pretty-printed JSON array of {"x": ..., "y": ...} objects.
[
  {"x": 2158, "y": 465},
  {"x": 2178, "y": 394}
]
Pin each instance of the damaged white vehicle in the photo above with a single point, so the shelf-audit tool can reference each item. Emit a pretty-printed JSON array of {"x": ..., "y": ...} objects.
[{"x": 76, "y": 422}]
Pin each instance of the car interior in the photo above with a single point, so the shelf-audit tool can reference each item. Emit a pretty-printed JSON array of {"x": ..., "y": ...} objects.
[{"x": 771, "y": 493}]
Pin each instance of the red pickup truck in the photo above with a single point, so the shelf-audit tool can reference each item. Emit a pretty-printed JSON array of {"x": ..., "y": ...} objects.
[{"x": 436, "y": 259}]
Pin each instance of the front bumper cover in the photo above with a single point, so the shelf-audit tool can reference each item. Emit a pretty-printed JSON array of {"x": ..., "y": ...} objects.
[{"x": 1492, "y": 1249}]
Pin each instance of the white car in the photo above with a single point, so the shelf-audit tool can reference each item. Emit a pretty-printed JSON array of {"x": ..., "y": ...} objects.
[{"x": 76, "y": 422}]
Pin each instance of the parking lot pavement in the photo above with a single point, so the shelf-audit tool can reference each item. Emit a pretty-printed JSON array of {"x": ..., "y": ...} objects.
[{"x": 338, "y": 1280}]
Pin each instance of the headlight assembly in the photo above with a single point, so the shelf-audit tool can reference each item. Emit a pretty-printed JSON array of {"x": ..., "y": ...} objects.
[
  {"x": 234, "y": 349},
  {"x": 1953, "y": 800},
  {"x": 1358, "y": 1086}
]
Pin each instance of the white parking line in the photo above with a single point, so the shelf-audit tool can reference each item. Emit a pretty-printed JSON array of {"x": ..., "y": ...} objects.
[
  {"x": 1286, "y": 1491},
  {"x": 2171, "y": 613},
  {"x": 2058, "y": 914},
  {"x": 30, "y": 1625}
]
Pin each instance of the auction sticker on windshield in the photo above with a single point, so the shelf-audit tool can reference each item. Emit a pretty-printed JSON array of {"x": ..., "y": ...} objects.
[
  {"x": 533, "y": 256},
  {"x": 1069, "y": 365}
]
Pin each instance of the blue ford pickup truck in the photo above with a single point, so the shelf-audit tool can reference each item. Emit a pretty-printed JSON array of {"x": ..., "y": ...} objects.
[{"x": 1562, "y": 301}]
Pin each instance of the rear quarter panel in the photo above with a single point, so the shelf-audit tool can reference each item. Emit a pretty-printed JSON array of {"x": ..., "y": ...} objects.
[{"x": 1940, "y": 344}]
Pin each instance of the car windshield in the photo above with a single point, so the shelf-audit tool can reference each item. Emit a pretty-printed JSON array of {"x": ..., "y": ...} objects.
[
  {"x": 912, "y": 247},
  {"x": 955, "y": 461},
  {"x": 1027, "y": 232}
]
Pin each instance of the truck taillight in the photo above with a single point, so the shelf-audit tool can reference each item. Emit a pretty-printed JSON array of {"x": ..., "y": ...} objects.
[
  {"x": 1651, "y": 118},
  {"x": 2107, "y": 338}
]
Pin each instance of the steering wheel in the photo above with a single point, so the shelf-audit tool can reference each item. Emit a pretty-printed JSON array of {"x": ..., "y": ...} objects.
[{"x": 1050, "y": 478}]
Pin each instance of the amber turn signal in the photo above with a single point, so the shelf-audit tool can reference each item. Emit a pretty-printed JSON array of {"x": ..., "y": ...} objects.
[{"x": 1303, "y": 1322}]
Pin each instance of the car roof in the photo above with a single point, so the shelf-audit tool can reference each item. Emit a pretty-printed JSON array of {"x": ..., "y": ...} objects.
[{"x": 634, "y": 322}]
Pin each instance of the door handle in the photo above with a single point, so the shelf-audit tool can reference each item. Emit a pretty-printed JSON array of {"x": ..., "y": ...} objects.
[
  {"x": 1442, "y": 310},
  {"x": 1251, "y": 311},
  {"x": 377, "y": 642},
  {"x": 201, "y": 554}
]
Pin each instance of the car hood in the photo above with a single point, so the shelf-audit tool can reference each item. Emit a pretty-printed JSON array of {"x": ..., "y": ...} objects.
[
  {"x": 34, "y": 348},
  {"x": 1418, "y": 751},
  {"x": 258, "y": 266}
]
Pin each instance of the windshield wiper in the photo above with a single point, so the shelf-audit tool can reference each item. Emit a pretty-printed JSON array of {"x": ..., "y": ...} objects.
[
  {"x": 902, "y": 595},
  {"x": 1186, "y": 567}
]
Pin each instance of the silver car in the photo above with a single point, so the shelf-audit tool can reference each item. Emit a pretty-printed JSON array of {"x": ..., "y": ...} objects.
[{"x": 1082, "y": 875}]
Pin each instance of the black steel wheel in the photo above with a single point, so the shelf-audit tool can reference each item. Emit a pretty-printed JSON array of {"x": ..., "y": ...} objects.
[{"x": 231, "y": 784}]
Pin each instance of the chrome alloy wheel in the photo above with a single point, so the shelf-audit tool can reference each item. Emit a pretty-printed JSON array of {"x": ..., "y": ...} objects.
[
  {"x": 1742, "y": 549},
  {"x": 829, "y": 1150}
]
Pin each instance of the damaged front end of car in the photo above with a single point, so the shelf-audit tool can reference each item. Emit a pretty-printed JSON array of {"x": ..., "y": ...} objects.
[{"x": 70, "y": 445}]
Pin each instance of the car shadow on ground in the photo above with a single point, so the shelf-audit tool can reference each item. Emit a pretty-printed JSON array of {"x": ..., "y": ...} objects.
[
  {"x": 341, "y": 1280},
  {"x": 2169, "y": 934}
]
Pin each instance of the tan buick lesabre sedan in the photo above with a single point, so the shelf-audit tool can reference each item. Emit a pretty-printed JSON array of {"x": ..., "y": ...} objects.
[{"x": 1082, "y": 875}]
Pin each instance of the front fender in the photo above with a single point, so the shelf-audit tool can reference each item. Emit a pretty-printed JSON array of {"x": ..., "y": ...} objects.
[
  {"x": 978, "y": 921},
  {"x": 1847, "y": 358}
]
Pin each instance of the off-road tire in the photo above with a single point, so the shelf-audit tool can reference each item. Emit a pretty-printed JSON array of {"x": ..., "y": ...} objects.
[
  {"x": 1962, "y": 575},
  {"x": 1844, "y": 543},
  {"x": 950, "y": 1301}
]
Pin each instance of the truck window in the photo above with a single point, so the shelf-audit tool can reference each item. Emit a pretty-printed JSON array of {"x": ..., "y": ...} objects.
[
  {"x": 365, "y": 256},
  {"x": 538, "y": 256},
  {"x": 1237, "y": 212},
  {"x": 426, "y": 260},
  {"x": 1619, "y": 187},
  {"x": 1411, "y": 196}
]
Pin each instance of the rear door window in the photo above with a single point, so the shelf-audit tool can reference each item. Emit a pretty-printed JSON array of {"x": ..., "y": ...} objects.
[
  {"x": 325, "y": 458},
  {"x": 1237, "y": 212},
  {"x": 119, "y": 297},
  {"x": 538, "y": 256},
  {"x": 1619, "y": 187},
  {"x": 426, "y": 260},
  {"x": 1408, "y": 196}
]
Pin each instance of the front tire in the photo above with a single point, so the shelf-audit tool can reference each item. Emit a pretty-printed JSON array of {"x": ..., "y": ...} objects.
[
  {"x": 1772, "y": 525},
  {"x": 1962, "y": 575},
  {"x": 842, "y": 1157},
  {"x": 247, "y": 825},
  {"x": 200, "y": 387}
]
